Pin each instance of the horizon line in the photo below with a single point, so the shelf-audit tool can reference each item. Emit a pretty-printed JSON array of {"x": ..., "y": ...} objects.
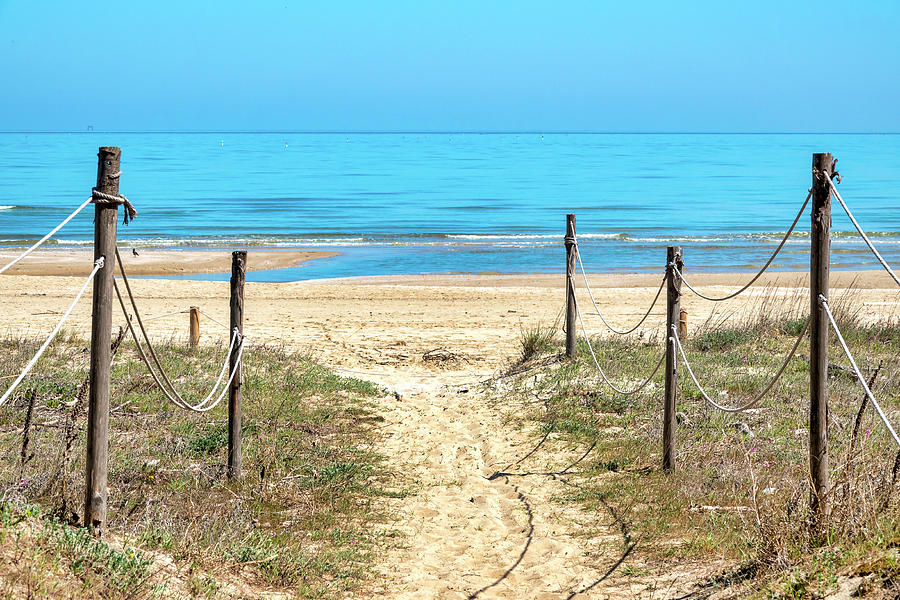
[{"x": 436, "y": 132}]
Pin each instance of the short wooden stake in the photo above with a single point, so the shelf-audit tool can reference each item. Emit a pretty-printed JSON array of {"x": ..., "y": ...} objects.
[
  {"x": 194, "y": 336},
  {"x": 820, "y": 249},
  {"x": 238, "y": 276},
  {"x": 673, "y": 312},
  {"x": 571, "y": 317},
  {"x": 682, "y": 325},
  {"x": 97, "y": 453}
]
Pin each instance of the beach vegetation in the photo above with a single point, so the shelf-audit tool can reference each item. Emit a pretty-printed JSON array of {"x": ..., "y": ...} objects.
[
  {"x": 536, "y": 339},
  {"x": 739, "y": 498},
  {"x": 307, "y": 516}
]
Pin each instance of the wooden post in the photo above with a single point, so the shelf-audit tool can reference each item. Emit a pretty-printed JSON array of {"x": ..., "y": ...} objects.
[
  {"x": 238, "y": 275},
  {"x": 673, "y": 312},
  {"x": 194, "y": 336},
  {"x": 571, "y": 317},
  {"x": 682, "y": 325},
  {"x": 820, "y": 249},
  {"x": 105, "y": 217}
]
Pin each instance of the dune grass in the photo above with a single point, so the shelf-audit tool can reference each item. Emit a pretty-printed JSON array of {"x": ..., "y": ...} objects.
[
  {"x": 740, "y": 494},
  {"x": 306, "y": 517}
]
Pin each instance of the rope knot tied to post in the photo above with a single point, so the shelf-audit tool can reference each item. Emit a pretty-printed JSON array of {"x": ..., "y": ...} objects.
[
  {"x": 834, "y": 171},
  {"x": 570, "y": 241},
  {"x": 98, "y": 197},
  {"x": 823, "y": 174}
]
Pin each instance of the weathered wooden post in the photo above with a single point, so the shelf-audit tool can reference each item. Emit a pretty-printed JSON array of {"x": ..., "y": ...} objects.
[
  {"x": 105, "y": 216},
  {"x": 682, "y": 325},
  {"x": 820, "y": 249},
  {"x": 194, "y": 336},
  {"x": 238, "y": 276},
  {"x": 571, "y": 317},
  {"x": 673, "y": 313}
]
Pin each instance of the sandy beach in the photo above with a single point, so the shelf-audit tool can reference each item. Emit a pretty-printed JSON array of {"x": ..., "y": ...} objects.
[
  {"x": 389, "y": 323},
  {"x": 465, "y": 532}
]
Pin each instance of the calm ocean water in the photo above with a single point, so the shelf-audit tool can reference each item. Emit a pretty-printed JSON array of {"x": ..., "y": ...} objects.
[{"x": 440, "y": 203}]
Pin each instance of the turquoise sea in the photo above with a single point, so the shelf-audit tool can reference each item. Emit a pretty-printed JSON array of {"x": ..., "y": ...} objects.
[{"x": 460, "y": 202}]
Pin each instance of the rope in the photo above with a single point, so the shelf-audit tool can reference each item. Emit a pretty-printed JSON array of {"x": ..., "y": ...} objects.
[
  {"x": 824, "y": 302},
  {"x": 98, "y": 264},
  {"x": 174, "y": 396},
  {"x": 754, "y": 401},
  {"x": 217, "y": 322},
  {"x": 761, "y": 271},
  {"x": 48, "y": 236},
  {"x": 599, "y": 368},
  {"x": 99, "y": 197},
  {"x": 169, "y": 314},
  {"x": 172, "y": 393},
  {"x": 863, "y": 233},
  {"x": 597, "y": 309}
]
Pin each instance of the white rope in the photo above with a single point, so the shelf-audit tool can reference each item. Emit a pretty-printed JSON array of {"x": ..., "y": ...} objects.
[
  {"x": 733, "y": 409},
  {"x": 862, "y": 233},
  {"x": 173, "y": 396},
  {"x": 597, "y": 308},
  {"x": 48, "y": 236},
  {"x": 169, "y": 389},
  {"x": 599, "y": 368},
  {"x": 761, "y": 271},
  {"x": 862, "y": 380},
  {"x": 98, "y": 264}
]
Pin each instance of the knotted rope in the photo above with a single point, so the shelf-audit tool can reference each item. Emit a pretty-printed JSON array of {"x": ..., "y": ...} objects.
[{"x": 98, "y": 197}]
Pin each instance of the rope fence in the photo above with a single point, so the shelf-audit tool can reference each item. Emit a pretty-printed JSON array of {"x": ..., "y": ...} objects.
[
  {"x": 107, "y": 200},
  {"x": 168, "y": 389},
  {"x": 819, "y": 194},
  {"x": 106, "y": 197}
]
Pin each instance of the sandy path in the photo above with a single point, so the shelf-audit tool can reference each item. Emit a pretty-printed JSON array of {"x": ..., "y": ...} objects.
[{"x": 466, "y": 534}]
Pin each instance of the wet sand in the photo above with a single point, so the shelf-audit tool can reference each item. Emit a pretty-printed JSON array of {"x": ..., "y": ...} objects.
[{"x": 160, "y": 263}]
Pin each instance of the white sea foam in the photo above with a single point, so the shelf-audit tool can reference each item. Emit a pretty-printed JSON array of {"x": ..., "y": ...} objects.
[{"x": 6, "y": 207}]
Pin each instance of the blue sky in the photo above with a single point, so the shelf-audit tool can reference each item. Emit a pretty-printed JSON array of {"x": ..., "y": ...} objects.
[{"x": 484, "y": 65}]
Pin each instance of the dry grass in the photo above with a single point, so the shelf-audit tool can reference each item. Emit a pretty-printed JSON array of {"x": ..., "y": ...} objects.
[
  {"x": 736, "y": 496},
  {"x": 306, "y": 517}
]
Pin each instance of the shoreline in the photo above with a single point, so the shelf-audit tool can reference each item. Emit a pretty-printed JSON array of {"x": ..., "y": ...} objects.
[
  {"x": 180, "y": 262},
  {"x": 157, "y": 263},
  {"x": 873, "y": 279}
]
